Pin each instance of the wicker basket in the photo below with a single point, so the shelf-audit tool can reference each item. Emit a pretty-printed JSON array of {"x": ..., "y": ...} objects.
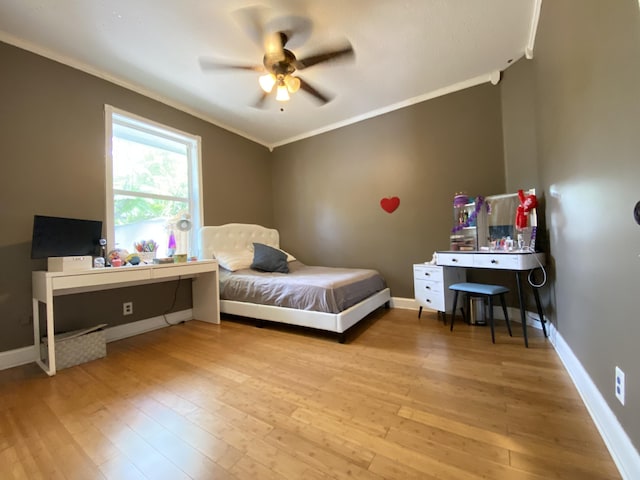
[
  {"x": 79, "y": 346},
  {"x": 146, "y": 257}
]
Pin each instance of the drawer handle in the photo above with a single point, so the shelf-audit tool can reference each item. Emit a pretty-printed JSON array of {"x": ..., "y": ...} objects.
[
  {"x": 428, "y": 301},
  {"x": 427, "y": 274},
  {"x": 427, "y": 287},
  {"x": 454, "y": 260},
  {"x": 494, "y": 261}
]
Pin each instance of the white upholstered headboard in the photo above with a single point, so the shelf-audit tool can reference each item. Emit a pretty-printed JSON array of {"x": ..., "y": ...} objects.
[{"x": 235, "y": 237}]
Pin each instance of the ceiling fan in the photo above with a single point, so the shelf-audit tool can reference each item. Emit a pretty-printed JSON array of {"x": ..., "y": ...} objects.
[{"x": 279, "y": 64}]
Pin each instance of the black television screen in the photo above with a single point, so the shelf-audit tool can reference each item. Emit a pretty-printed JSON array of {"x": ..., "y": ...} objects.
[{"x": 64, "y": 237}]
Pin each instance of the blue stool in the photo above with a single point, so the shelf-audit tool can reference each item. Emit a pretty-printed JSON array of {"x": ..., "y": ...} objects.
[{"x": 484, "y": 290}]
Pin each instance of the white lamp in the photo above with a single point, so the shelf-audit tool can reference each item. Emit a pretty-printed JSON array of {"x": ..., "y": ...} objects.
[
  {"x": 283, "y": 94},
  {"x": 286, "y": 84},
  {"x": 292, "y": 83},
  {"x": 267, "y": 82}
]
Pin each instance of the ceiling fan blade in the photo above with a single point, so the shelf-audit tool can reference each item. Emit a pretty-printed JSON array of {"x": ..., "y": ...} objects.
[
  {"x": 341, "y": 53},
  {"x": 274, "y": 43},
  {"x": 208, "y": 63},
  {"x": 251, "y": 20},
  {"x": 260, "y": 101},
  {"x": 296, "y": 28},
  {"x": 266, "y": 30},
  {"x": 321, "y": 97}
]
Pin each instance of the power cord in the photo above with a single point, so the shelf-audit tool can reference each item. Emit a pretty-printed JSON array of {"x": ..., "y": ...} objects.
[
  {"x": 173, "y": 304},
  {"x": 530, "y": 276}
]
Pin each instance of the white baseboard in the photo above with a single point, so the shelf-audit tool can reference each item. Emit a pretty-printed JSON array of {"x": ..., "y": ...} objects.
[
  {"x": 533, "y": 319},
  {"x": 24, "y": 355},
  {"x": 624, "y": 454},
  {"x": 142, "y": 326},
  {"x": 405, "y": 303},
  {"x": 19, "y": 356}
]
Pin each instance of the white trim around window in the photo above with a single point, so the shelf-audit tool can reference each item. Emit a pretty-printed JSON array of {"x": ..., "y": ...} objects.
[{"x": 156, "y": 133}]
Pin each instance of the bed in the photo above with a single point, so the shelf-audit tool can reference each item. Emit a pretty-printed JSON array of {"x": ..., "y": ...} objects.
[{"x": 323, "y": 298}]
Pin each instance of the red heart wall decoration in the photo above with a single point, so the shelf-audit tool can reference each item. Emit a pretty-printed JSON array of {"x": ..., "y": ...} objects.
[{"x": 389, "y": 205}]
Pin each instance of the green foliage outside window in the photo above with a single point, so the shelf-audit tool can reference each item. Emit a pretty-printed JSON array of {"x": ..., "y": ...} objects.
[{"x": 141, "y": 173}]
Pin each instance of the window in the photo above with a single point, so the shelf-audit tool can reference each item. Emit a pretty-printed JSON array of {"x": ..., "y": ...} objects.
[{"x": 153, "y": 185}]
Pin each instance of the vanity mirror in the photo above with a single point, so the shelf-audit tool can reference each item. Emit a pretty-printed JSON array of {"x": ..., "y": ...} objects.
[
  {"x": 505, "y": 222},
  {"x": 512, "y": 221}
]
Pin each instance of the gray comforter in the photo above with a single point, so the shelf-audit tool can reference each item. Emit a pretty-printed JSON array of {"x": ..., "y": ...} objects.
[{"x": 322, "y": 289}]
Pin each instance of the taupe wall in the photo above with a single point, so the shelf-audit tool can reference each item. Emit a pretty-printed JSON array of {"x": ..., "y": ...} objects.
[
  {"x": 570, "y": 121},
  {"x": 327, "y": 188},
  {"x": 585, "y": 84},
  {"x": 519, "y": 129},
  {"x": 52, "y": 154}
]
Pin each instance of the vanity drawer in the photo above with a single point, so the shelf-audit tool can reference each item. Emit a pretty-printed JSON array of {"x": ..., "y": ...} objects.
[
  {"x": 427, "y": 272},
  {"x": 431, "y": 285},
  {"x": 497, "y": 261},
  {"x": 428, "y": 297},
  {"x": 455, "y": 259},
  {"x": 427, "y": 286}
]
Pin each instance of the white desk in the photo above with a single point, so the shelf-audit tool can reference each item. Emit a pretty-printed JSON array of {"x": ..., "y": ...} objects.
[
  {"x": 515, "y": 261},
  {"x": 47, "y": 285}
]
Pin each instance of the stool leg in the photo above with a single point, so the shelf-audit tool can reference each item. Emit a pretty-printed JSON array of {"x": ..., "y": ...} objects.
[
  {"x": 493, "y": 335},
  {"x": 453, "y": 310},
  {"x": 506, "y": 315},
  {"x": 420, "y": 312},
  {"x": 463, "y": 309}
]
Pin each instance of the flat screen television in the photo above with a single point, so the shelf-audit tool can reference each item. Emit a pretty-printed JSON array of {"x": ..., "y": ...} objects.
[{"x": 64, "y": 237}]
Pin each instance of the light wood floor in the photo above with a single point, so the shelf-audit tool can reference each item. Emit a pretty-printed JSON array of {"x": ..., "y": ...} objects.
[{"x": 402, "y": 399}]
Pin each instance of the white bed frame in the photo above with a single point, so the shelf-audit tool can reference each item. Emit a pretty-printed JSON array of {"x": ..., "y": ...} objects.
[{"x": 239, "y": 236}]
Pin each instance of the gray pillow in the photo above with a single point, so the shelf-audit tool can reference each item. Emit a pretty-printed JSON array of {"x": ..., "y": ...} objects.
[{"x": 269, "y": 259}]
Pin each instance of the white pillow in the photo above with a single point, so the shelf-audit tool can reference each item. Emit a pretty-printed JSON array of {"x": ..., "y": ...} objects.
[
  {"x": 235, "y": 259},
  {"x": 290, "y": 258}
]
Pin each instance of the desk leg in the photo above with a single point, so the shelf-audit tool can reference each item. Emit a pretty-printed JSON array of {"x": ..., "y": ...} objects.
[
  {"x": 36, "y": 327},
  {"x": 51, "y": 346},
  {"x": 523, "y": 316},
  {"x": 206, "y": 297},
  {"x": 49, "y": 369}
]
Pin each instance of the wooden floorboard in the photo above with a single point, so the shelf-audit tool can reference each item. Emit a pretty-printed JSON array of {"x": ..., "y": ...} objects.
[{"x": 403, "y": 398}]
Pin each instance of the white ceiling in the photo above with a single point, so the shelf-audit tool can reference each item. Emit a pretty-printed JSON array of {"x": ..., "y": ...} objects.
[{"x": 406, "y": 51}]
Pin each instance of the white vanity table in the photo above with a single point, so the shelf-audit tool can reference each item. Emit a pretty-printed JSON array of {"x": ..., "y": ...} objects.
[
  {"x": 47, "y": 285},
  {"x": 516, "y": 261}
]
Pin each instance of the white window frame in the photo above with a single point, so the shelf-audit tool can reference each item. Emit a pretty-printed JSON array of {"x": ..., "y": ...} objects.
[{"x": 194, "y": 153}]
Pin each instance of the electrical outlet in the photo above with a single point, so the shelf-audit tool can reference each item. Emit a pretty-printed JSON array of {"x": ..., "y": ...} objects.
[
  {"x": 620, "y": 385},
  {"x": 127, "y": 308}
]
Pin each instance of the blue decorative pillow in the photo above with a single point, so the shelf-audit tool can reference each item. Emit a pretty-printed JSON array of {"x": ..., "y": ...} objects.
[{"x": 269, "y": 259}]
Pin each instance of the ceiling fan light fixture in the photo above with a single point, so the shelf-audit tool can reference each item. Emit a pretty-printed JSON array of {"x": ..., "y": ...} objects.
[
  {"x": 282, "y": 94},
  {"x": 292, "y": 83},
  {"x": 267, "y": 82}
]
